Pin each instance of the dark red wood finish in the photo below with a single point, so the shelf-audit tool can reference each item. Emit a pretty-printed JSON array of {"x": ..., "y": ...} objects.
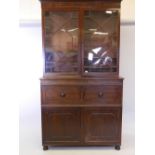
[
  {"x": 88, "y": 109},
  {"x": 80, "y": 1},
  {"x": 78, "y": 109}
]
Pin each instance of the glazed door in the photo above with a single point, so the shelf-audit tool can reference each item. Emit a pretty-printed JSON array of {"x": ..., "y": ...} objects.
[
  {"x": 61, "y": 41},
  {"x": 101, "y": 42},
  {"x": 61, "y": 126},
  {"x": 71, "y": 37},
  {"x": 102, "y": 126}
]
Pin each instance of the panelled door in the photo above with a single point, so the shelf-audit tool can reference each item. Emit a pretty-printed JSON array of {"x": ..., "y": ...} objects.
[
  {"x": 61, "y": 126},
  {"x": 102, "y": 125}
]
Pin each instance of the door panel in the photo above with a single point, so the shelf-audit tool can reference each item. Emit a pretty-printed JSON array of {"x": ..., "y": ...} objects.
[
  {"x": 102, "y": 125},
  {"x": 61, "y": 125},
  {"x": 61, "y": 44},
  {"x": 101, "y": 41}
]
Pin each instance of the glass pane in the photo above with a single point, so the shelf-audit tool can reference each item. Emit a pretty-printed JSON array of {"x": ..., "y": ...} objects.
[
  {"x": 100, "y": 41},
  {"x": 61, "y": 42}
]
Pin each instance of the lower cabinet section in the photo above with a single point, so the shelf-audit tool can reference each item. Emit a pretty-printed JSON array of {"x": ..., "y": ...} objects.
[{"x": 81, "y": 126}]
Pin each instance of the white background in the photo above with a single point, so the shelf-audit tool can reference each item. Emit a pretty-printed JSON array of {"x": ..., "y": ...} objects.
[{"x": 14, "y": 79}]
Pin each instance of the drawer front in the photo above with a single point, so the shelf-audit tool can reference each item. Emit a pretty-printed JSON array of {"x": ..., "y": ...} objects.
[
  {"x": 60, "y": 93},
  {"x": 108, "y": 94}
]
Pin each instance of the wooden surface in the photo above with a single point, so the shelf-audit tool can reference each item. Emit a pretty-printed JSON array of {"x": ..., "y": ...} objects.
[
  {"x": 81, "y": 0},
  {"x": 89, "y": 114},
  {"x": 80, "y": 109},
  {"x": 81, "y": 126}
]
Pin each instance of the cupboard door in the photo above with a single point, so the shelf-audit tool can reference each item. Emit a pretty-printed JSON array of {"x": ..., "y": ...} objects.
[
  {"x": 102, "y": 126},
  {"x": 101, "y": 41},
  {"x": 61, "y": 126},
  {"x": 61, "y": 44}
]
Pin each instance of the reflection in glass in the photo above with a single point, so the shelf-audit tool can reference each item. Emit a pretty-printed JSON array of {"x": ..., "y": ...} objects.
[
  {"x": 61, "y": 41},
  {"x": 90, "y": 56},
  {"x": 100, "y": 41}
]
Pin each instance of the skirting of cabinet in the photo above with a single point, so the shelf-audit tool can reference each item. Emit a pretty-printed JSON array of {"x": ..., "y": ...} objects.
[{"x": 117, "y": 147}]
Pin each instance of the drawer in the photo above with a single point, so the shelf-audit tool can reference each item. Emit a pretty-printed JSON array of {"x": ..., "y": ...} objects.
[
  {"x": 60, "y": 93},
  {"x": 108, "y": 94}
]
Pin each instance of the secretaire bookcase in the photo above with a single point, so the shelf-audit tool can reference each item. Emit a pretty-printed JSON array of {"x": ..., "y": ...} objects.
[{"x": 81, "y": 91}]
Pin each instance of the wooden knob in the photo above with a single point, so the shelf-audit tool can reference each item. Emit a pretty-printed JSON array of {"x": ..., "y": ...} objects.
[
  {"x": 100, "y": 94},
  {"x": 62, "y": 94}
]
